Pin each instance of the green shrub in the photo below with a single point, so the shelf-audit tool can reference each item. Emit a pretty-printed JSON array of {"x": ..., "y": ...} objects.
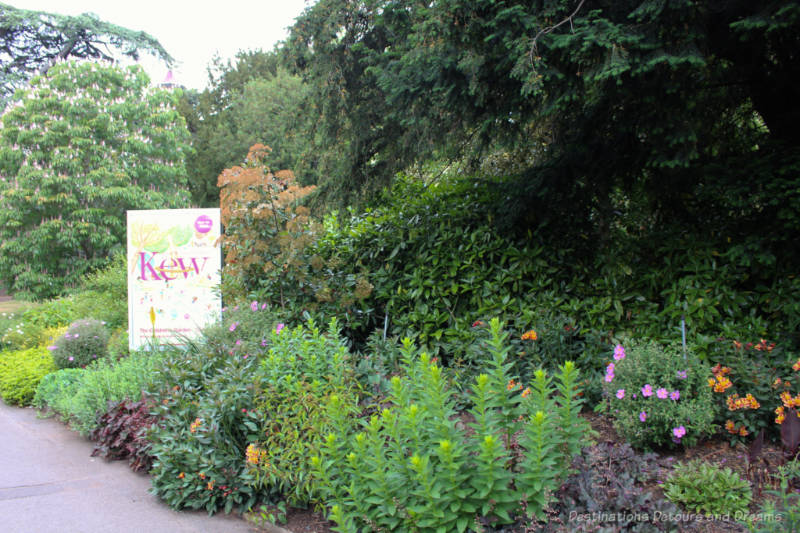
[
  {"x": 20, "y": 373},
  {"x": 52, "y": 313},
  {"x": 706, "y": 488},
  {"x": 217, "y": 399},
  {"x": 414, "y": 467},
  {"x": 657, "y": 397},
  {"x": 84, "y": 342},
  {"x": 56, "y": 391}
]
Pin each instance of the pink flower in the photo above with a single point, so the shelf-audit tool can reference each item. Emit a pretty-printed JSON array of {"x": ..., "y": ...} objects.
[
  {"x": 263, "y": 342},
  {"x": 619, "y": 353},
  {"x": 681, "y": 374},
  {"x": 238, "y": 342},
  {"x": 279, "y": 327},
  {"x": 620, "y": 393},
  {"x": 71, "y": 358},
  {"x": 76, "y": 335},
  {"x": 254, "y": 306},
  {"x": 675, "y": 395},
  {"x": 233, "y": 326},
  {"x": 679, "y": 432},
  {"x": 263, "y": 306},
  {"x": 634, "y": 395},
  {"x": 52, "y": 347},
  {"x": 662, "y": 393},
  {"x": 609, "y": 378},
  {"x": 610, "y": 368},
  {"x": 642, "y": 416},
  {"x": 647, "y": 390}
]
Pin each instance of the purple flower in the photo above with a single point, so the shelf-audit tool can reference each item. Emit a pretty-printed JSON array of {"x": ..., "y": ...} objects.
[
  {"x": 238, "y": 342},
  {"x": 52, "y": 347},
  {"x": 681, "y": 374},
  {"x": 620, "y": 393},
  {"x": 279, "y": 327},
  {"x": 642, "y": 416},
  {"x": 662, "y": 393},
  {"x": 647, "y": 390},
  {"x": 679, "y": 432},
  {"x": 634, "y": 395},
  {"x": 233, "y": 326},
  {"x": 254, "y": 306},
  {"x": 675, "y": 395},
  {"x": 619, "y": 353},
  {"x": 263, "y": 342}
]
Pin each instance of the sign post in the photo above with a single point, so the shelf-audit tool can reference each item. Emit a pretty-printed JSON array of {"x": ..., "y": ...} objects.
[{"x": 174, "y": 264}]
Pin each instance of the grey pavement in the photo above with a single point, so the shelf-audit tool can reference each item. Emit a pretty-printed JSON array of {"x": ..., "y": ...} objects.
[{"x": 50, "y": 484}]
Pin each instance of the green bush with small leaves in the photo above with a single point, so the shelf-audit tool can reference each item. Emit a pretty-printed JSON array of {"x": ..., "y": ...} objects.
[
  {"x": 84, "y": 342},
  {"x": 20, "y": 374},
  {"x": 706, "y": 488},
  {"x": 56, "y": 391}
]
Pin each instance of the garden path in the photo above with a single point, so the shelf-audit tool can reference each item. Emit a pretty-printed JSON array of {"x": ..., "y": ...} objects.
[{"x": 49, "y": 483}]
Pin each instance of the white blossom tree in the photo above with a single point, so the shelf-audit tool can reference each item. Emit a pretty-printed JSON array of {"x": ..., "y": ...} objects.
[{"x": 83, "y": 144}]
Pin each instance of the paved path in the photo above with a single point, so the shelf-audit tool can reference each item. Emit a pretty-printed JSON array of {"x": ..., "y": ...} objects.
[{"x": 50, "y": 484}]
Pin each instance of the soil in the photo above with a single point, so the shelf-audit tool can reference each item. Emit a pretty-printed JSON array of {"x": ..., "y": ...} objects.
[{"x": 716, "y": 450}]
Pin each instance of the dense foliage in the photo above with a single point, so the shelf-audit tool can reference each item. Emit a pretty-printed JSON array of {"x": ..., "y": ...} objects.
[
  {"x": 413, "y": 466},
  {"x": 230, "y": 430},
  {"x": 83, "y": 144}
]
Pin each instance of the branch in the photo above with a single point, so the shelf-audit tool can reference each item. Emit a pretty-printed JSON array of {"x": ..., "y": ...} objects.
[{"x": 545, "y": 31}]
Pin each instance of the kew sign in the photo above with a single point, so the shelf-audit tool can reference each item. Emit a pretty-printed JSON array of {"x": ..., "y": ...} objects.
[{"x": 174, "y": 264}]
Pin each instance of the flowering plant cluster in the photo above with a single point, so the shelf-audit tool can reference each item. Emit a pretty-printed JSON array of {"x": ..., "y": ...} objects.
[
  {"x": 752, "y": 384},
  {"x": 657, "y": 396}
]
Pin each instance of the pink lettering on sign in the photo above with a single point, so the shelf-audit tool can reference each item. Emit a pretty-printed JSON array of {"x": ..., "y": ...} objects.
[
  {"x": 203, "y": 224},
  {"x": 169, "y": 269}
]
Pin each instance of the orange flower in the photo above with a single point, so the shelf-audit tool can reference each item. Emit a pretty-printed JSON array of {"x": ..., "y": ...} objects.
[
  {"x": 202, "y": 475},
  {"x": 722, "y": 383},
  {"x": 526, "y": 392},
  {"x": 796, "y": 366},
  {"x": 210, "y": 485},
  {"x": 730, "y": 426},
  {"x": 743, "y": 431},
  {"x": 181, "y": 475},
  {"x": 737, "y": 345},
  {"x": 781, "y": 415},
  {"x": 529, "y": 335},
  {"x": 511, "y": 385},
  {"x": 196, "y": 424},
  {"x": 776, "y": 383}
]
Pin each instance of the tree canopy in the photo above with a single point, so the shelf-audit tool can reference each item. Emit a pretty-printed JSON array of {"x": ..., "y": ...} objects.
[
  {"x": 84, "y": 143},
  {"x": 32, "y": 41},
  {"x": 686, "y": 108}
]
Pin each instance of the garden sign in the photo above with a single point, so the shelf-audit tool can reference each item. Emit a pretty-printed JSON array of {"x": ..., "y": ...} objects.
[{"x": 174, "y": 264}]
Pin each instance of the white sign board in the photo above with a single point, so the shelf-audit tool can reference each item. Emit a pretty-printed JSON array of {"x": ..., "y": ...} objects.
[{"x": 174, "y": 263}]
